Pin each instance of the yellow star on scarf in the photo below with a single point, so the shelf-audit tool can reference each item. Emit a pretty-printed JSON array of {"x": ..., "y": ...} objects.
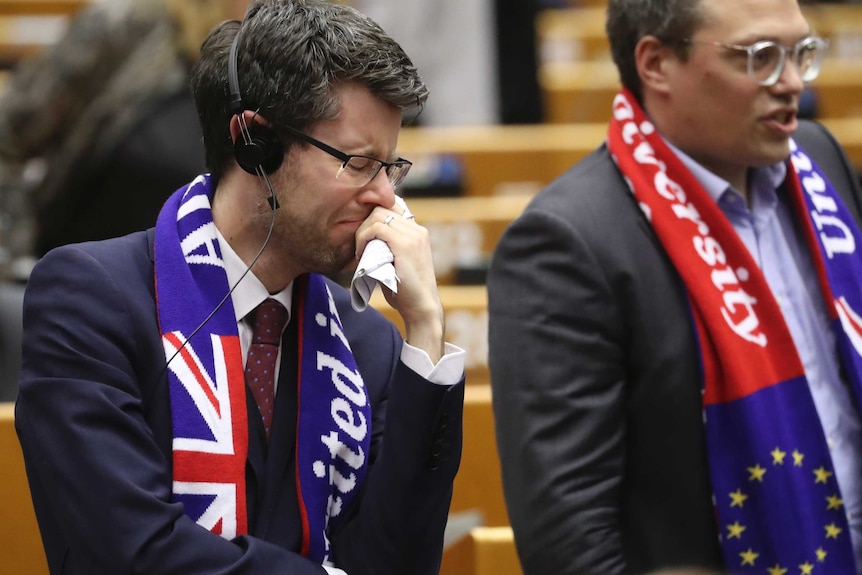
[
  {"x": 757, "y": 472},
  {"x": 735, "y": 530},
  {"x": 821, "y": 475},
  {"x": 806, "y": 568},
  {"x": 778, "y": 456},
  {"x": 738, "y": 498},
  {"x": 835, "y": 502},
  {"x": 748, "y": 557},
  {"x": 777, "y": 570},
  {"x": 797, "y": 458},
  {"x": 821, "y": 555},
  {"x": 832, "y": 531}
]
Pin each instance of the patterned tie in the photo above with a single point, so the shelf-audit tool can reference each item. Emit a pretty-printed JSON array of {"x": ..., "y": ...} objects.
[{"x": 269, "y": 319}]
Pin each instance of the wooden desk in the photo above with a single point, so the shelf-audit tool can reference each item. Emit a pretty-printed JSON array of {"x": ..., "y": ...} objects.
[
  {"x": 577, "y": 33},
  {"x": 503, "y": 160},
  {"x": 520, "y": 160},
  {"x": 465, "y": 230},
  {"x": 572, "y": 34},
  {"x": 841, "y": 24},
  {"x": 466, "y": 310},
  {"x": 66, "y": 7},
  {"x": 478, "y": 485},
  {"x": 27, "y": 35},
  {"x": 584, "y": 91},
  {"x": 579, "y": 92},
  {"x": 23, "y": 553},
  {"x": 485, "y": 551},
  {"x": 839, "y": 89},
  {"x": 848, "y": 132}
]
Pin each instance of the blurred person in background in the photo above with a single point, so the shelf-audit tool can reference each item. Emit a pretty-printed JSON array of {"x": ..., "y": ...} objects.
[
  {"x": 479, "y": 58},
  {"x": 100, "y": 128}
]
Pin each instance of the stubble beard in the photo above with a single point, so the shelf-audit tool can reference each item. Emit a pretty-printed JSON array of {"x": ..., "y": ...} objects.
[{"x": 313, "y": 249}]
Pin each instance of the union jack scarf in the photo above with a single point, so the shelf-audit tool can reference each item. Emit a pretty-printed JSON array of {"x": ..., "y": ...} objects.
[
  {"x": 777, "y": 502},
  {"x": 208, "y": 394}
]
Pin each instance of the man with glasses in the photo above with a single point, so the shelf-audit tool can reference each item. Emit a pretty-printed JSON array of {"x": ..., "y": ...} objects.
[
  {"x": 201, "y": 397},
  {"x": 675, "y": 322}
]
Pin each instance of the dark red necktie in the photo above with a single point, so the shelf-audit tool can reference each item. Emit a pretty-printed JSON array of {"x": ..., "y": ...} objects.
[{"x": 268, "y": 321}]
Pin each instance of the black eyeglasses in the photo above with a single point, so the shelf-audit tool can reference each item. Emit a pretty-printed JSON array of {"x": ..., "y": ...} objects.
[
  {"x": 358, "y": 170},
  {"x": 766, "y": 59}
]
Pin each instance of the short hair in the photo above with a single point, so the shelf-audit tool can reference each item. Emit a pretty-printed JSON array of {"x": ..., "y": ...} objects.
[
  {"x": 671, "y": 21},
  {"x": 291, "y": 56}
]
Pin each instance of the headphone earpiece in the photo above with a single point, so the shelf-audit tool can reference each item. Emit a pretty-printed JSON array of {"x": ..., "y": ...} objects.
[
  {"x": 257, "y": 146},
  {"x": 260, "y": 147}
]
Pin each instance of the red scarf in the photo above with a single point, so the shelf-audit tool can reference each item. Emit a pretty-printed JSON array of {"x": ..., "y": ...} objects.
[{"x": 776, "y": 498}]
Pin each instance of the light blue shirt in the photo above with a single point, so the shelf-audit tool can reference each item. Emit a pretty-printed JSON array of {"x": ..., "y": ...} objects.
[{"x": 768, "y": 229}]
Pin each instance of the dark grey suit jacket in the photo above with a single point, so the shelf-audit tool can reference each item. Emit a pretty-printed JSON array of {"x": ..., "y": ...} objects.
[{"x": 596, "y": 381}]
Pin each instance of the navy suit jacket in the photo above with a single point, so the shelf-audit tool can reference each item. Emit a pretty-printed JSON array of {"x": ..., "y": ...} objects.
[
  {"x": 93, "y": 418},
  {"x": 596, "y": 377}
]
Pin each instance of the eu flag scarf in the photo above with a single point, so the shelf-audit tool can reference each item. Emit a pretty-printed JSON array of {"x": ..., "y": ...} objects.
[
  {"x": 207, "y": 385},
  {"x": 776, "y": 498}
]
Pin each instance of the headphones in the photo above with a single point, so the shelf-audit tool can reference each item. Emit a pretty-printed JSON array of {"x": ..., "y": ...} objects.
[{"x": 259, "y": 149}]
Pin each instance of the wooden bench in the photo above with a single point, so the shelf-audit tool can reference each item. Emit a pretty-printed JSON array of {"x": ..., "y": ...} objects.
[
  {"x": 484, "y": 551},
  {"x": 478, "y": 485},
  {"x": 60, "y": 7},
  {"x": 839, "y": 89},
  {"x": 848, "y": 131},
  {"x": 577, "y": 33},
  {"x": 466, "y": 311},
  {"x": 520, "y": 160},
  {"x": 23, "y": 553},
  {"x": 28, "y": 26},
  {"x": 841, "y": 24},
  {"x": 580, "y": 92},
  {"x": 572, "y": 34},
  {"x": 465, "y": 230},
  {"x": 24, "y": 36},
  {"x": 584, "y": 91},
  {"x": 501, "y": 160}
]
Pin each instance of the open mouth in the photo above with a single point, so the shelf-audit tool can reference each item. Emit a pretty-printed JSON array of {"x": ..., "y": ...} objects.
[{"x": 784, "y": 121}]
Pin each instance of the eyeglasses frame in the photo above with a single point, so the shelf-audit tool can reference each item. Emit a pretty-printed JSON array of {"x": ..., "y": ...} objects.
[
  {"x": 345, "y": 158},
  {"x": 822, "y": 43}
]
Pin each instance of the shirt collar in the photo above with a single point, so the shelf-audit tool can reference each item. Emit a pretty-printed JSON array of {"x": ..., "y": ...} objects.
[
  {"x": 249, "y": 292},
  {"x": 715, "y": 186}
]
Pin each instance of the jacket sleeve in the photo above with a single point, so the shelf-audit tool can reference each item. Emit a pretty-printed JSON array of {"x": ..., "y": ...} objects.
[
  {"x": 557, "y": 373},
  {"x": 101, "y": 483},
  {"x": 397, "y": 524}
]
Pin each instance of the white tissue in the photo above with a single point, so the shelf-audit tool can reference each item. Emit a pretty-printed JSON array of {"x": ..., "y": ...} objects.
[{"x": 374, "y": 266}]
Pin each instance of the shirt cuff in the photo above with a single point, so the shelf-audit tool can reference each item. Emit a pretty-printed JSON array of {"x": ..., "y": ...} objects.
[
  {"x": 333, "y": 571},
  {"x": 448, "y": 370}
]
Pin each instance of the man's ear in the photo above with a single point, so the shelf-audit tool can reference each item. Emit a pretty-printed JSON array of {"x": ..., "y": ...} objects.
[
  {"x": 654, "y": 60},
  {"x": 250, "y": 120}
]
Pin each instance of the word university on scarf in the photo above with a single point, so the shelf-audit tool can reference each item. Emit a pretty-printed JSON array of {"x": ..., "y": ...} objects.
[
  {"x": 825, "y": 213},
  {"x": 738, "y": 309},
  {"x": 836, "y": 237}
]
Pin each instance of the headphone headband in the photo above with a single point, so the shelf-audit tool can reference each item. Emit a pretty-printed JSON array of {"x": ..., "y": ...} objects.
[{"x": 233, "y": 77}]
